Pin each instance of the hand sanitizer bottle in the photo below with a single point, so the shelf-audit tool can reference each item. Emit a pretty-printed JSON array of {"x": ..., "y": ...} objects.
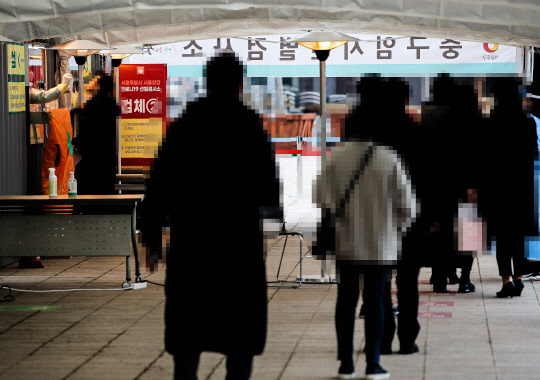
[
  {"x": 52, "y": 183},
  {"x": 72, "y": 185}
]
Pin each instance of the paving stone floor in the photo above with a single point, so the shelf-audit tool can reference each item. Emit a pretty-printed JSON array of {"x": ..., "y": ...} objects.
[{"x": 119, "y": 334}]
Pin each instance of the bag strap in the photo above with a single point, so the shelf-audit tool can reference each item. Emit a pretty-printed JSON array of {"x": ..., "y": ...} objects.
[{"x": 365, "y": 161}]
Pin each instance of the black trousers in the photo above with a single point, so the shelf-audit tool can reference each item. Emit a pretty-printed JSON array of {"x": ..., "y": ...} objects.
[
  {"x": 347, "y": 300},
  {"x": 239, "y": 367},
  {"x": 465, "y": 262},
  {"x": 442, "y": 245},
  {"x": 511, "y": 249},
  {"x": 407, "y": 285},
  {"x": 389, "y": 322}
]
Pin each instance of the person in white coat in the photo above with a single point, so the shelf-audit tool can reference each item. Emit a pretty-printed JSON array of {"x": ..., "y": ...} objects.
[{"x": 42, "y": 96}]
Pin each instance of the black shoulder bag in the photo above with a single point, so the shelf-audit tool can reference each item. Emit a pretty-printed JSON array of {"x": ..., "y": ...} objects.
[{"x": 326, "y": 231}]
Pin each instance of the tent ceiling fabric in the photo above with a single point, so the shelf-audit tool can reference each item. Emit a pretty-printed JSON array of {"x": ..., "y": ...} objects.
[{"x": 116, "y": 22}]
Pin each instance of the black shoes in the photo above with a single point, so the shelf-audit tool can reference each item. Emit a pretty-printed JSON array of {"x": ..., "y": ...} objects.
[
  {"x": 376, "y": 372},
  {"x": 407, "y": 350},
  {"x": 518, "y": 288},
  {"x": 511, "y": 290},
  {"x": 362, "y": 312},
  {"x": 467, "y": 287},
  {"x": 395, "y": 310},
  {"x": 439, "y": 288},
  {"x": 452, "y": 279},
  {"x": 346, "y": 370},
  {"x": 508, "y": 290}
]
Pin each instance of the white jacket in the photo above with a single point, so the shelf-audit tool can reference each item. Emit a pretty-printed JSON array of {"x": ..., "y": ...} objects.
[{"x": 381, "y": 206}]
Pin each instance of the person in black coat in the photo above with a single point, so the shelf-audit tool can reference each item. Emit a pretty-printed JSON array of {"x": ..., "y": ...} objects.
[
  {"x": 415, "y": 147},
  {"x": 96, "y": 141},
  {"x": 454, "y": 118},
  {"x": 214, "y": 178},
  {"x": 507, "y": 195}
]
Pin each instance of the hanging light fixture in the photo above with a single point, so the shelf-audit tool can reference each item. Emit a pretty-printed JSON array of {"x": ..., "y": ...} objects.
[
  {"x": 322, "y": 42},
  {"x": 121, "y": 52},
  {"x": 80, "y": 49}
]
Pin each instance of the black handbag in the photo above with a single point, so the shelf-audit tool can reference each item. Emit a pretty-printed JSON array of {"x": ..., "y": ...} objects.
[{"x": 326, "y": 231}]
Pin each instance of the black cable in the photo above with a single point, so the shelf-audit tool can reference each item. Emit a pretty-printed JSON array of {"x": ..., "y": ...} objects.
[
  {"x": 155, "y": 283},
  {"x": 8, "y": 297}
]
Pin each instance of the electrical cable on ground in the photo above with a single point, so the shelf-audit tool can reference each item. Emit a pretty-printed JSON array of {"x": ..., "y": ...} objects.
[
  {"x": 8, "y": 297},
  {"x": 64, "y": 290}
]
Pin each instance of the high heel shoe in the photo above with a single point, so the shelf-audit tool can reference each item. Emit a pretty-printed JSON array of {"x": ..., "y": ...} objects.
[
  {"x": 508, "y": 290},
  {"x": 518, "y": 288}
]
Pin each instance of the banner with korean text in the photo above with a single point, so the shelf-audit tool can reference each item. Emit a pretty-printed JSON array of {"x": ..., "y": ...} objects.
[
  {"x": 143, "y": 92},
  {"x": 274, "y": 56},
  {"x": 16, "y": 76}
]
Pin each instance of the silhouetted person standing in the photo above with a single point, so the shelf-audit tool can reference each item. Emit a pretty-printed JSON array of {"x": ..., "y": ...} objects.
[
  {"x": 507, "y": 196},
  {"x": 96, "y": 141},
  {"x": 222, "y": 160},
  {"x": 453, "y": 117},
  {"x": 414, "y": 147}
]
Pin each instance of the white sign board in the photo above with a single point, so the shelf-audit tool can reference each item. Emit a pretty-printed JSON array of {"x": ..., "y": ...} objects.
[{"x": 274, "y": 56}]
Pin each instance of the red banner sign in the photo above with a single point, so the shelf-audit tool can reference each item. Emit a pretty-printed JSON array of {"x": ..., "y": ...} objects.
[{"x": 143, "y": 103}]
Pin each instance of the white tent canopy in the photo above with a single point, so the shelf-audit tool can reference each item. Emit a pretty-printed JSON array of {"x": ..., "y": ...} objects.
[{"x": 117, "y": 22}]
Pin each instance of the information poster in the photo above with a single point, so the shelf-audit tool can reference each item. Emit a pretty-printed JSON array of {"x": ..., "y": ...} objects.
[
  {"x": 16, "y": 72},
  {"x": 143, "y": 91}
]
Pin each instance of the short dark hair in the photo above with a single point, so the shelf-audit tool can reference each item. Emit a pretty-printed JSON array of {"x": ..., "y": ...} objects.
[{"x": 224, "y": 73}]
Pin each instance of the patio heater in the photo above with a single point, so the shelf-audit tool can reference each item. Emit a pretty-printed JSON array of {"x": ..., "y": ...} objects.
[
  {"x": 117, "y": 55},
  {"x": 80, "y": 49},
  {"x": 322, "y": 42}
]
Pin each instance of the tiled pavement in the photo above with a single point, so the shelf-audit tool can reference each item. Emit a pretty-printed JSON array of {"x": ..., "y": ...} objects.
[{"x": 119, "y": 334}]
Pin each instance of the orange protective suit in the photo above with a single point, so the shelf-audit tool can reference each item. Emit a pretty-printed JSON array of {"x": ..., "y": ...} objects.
[{"x": 58, "y": 151}]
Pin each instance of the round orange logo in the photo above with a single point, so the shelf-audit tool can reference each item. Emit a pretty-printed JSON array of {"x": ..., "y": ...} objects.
[{"x": 491, "y": 49}]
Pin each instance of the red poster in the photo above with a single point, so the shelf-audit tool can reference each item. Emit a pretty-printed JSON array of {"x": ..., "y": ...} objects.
[{"x": 143, "y": 103}]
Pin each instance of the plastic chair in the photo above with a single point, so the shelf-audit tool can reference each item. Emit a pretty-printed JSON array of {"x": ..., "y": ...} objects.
[{"x": 280, "y": 283}]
